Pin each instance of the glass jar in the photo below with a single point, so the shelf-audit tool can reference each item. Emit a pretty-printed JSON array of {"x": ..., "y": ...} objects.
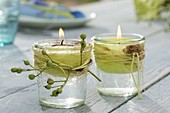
[
  {"x": 73, "y": 94},
  {"x": 119, "y": 63},
  {"x": 67, "y": 57},
  {"x": 9, "y": 13}
]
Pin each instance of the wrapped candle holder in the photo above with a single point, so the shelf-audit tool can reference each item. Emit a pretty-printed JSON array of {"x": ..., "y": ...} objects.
[
  {"x": 119, "y": 61},
  {"x": 61, "y": 67},
  {"x": 63, "y": 83}
]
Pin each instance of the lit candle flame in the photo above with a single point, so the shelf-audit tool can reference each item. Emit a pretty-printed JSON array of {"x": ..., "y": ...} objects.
[
  {"x": 119, "y": 33},
  {"x": 61, "y": 34}
]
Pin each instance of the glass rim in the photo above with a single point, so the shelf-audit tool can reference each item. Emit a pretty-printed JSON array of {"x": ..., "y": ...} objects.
[
  {"x": 101, "y": 38},
  {"x": 48, "y": 44}
]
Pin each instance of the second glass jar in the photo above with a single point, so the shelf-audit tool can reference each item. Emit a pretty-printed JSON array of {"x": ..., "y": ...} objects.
[{"x": 119, "y": 63}]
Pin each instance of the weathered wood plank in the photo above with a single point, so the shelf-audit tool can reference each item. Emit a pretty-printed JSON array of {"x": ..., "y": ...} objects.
[
  {"x": 155, "y": 100},
  {"x": 9, "y": 82}
]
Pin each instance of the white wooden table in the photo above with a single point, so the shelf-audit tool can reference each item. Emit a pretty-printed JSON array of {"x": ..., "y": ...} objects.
[{"x": 19, "y": 95}]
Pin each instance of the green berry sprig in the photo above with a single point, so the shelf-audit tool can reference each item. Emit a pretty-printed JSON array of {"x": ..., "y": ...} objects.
[
  {"x": 50, "y": 63},
  {"x": 30, "y": 76},
  {"x": 50, "y": 85},
  {"x": 83, "y": 45},
  {"x": 57, "y": 91}
]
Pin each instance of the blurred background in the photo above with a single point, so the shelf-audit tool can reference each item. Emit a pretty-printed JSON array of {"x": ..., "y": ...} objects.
[
  {"x": 69, "y": 3},
  {"x": 72, "y": 2},
  {"x": 44, "y": 15}
]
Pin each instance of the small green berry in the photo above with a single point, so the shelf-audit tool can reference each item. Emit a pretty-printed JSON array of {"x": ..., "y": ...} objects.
[
  {"x": 44, "y": 52},
  {"x": 14, "y": 70},
  {"x": 83, "y": 36},
  {"x": 59, "y": 90},
  {"x": 19, "y": 70},
  {"x": 54, "y": 93},
  {"x": 50, "y": 81},
  {"x": 49, "y": 63},
  {"x": 48, "y": 86},
  {"x": 31, "y": 76},
  {"x": 26, "y": 62}
]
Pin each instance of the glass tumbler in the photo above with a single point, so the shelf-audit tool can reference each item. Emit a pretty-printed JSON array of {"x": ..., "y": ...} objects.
[
  {"x": 74, "y": 91},
  {"x": 119, "y": 63},
  {"x": 9, "y": 13}
]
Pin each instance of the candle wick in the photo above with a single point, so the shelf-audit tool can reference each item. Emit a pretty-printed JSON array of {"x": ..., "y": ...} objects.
[{"x": 61, "y": 42}]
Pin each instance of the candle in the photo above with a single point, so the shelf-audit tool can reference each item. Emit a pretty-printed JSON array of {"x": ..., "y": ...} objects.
[
  {"x": 63, "y": 82},
  {"x": 66, "y": 52},
  {"x": 114, "y": 54},
  {"x": 119, "y": 60}
]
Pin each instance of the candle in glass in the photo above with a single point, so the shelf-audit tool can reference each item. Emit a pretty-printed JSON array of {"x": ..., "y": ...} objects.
[
  {"x": 119, "y": 60},
  {"x": 69, "y": 64}
]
